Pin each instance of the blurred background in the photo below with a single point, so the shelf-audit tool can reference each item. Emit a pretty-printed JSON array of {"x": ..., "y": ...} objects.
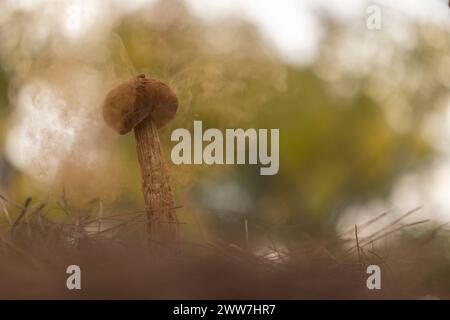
[{"x": 363, "y": 113}]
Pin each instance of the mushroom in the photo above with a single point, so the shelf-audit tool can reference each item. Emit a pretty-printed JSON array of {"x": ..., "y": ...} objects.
[{"x": 146, "y": 105}]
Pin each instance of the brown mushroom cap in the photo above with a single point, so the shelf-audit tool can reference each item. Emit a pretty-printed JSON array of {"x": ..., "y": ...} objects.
[{"x": 132, "y": 101}]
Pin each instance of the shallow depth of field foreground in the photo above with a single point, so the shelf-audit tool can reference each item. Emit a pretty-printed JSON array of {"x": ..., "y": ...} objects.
[
  {"x": 117, "y": 152},
  {"x": 116, "y": 265}
]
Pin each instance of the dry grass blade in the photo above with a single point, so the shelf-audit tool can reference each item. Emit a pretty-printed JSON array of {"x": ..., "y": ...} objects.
[
  {"x": 5, "y": 211},
  {"x": 100, "y": 215},
  {"x": 393, "y": 223},
  {"x": 366, "y": 224},
  {"x": 37, "y": 212},
  {"x": 246, "y": 233},
  {"x": 38, "y": 209},
  {"x": 385, "y": 228},
  {"x": 17, "y": 205},
  {"x": 21, "y": 215},
  {"x": 395, "y": 230},
  {"x": 357, "y": 245},
  {"x": 119, "y": 225}
]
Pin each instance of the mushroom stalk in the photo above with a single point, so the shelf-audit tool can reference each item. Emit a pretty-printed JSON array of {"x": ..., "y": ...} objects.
[
  {"x": 158, "y": 196},
  {"x": 145, "y": 105}
]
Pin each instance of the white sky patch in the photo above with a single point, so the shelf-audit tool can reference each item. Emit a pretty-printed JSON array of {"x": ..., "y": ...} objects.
[
  {"x": 438, "y": 195},
  {"x": 218, "y": 195},
  {"x": 81, "y": 16},
  {"x": 427, "y": 189},
  {"x": 435, "y": 11},
  {"x": 131, "y": 5},
  {"x": 359, "y": 215},
  {"x": 294, "y": 32},
  {"x": 39, "y": 138},
  {"x": 293, "y": 28},
  {"x": 56, "y": 122},
  {"x": 286, "y": 25},
  {"x": 24, "y": 4}
]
